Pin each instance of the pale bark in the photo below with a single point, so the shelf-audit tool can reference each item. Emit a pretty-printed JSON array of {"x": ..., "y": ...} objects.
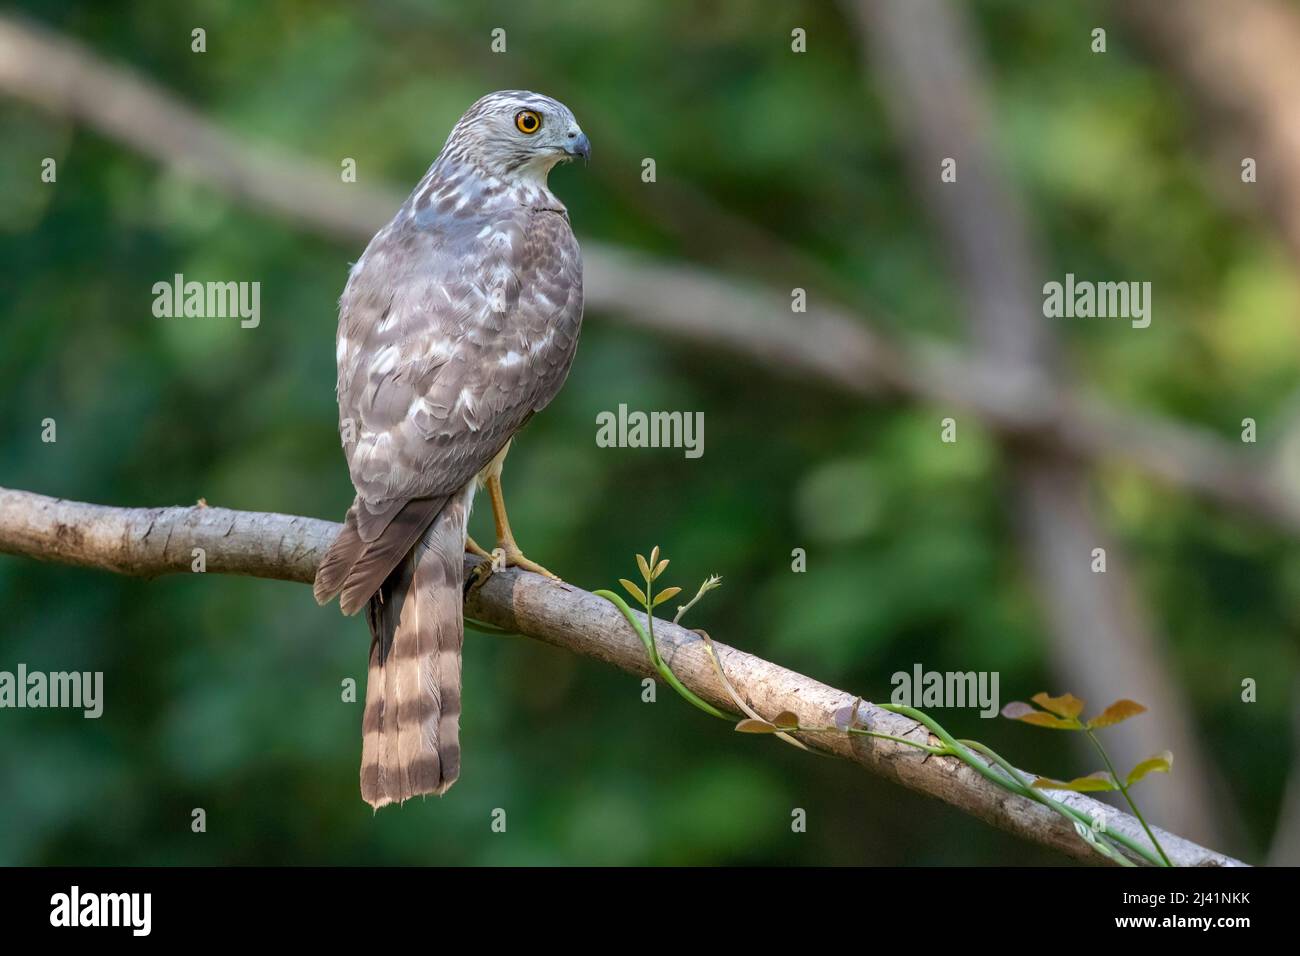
[{"x": 150, "y": 542}]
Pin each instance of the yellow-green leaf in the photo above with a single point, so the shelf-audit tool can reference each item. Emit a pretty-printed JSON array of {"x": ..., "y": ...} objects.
[
  {"x": 1040, "y": 719},
  {"x": 786, "y": 720},
  {"x": 1119, "y": 711},
  {"x": 1160, "y": 763},
  {"x": 1100, "y": 780},
  {"x": 1067, "y": 705},
  {"x": 654, "y": 555},
  {"x": 659, "y": 568},
  {"x": 1019, "y": 710},
  {"x": 633, "y": 590},
  {"x": 644, "y": 566},
  {"x": 666, "y": 594},
  {"x": 749, "y": 726}
]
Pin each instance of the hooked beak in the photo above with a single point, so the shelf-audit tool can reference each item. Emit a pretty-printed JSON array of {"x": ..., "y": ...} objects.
[{"x": 579, "y": 146}]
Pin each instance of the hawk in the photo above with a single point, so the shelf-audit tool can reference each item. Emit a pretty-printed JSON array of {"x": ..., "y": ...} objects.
[{"x": 457, "y": 324}]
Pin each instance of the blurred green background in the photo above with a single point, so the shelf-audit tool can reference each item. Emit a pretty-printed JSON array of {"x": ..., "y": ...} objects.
[{"x": 224, "y": 693}]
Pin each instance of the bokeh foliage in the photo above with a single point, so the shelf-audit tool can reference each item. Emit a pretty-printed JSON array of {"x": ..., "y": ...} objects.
[{"x": 223, "y": 693}]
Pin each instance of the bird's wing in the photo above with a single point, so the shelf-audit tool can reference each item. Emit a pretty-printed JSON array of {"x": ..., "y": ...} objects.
[
  {"x": 447, "y": 343},
  {"x": 446, "y": 347}
]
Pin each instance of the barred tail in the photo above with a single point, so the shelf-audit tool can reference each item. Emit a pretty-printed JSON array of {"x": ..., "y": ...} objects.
[{"x": 411, "y": 722}]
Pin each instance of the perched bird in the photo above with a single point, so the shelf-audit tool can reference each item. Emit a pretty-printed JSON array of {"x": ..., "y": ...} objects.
[{"x": 457, "y": 324}]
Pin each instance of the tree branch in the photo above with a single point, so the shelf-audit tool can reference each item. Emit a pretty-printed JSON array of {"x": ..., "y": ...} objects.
[
  {"x": 1242, "y": 61},
  {"x": 149, "y": 542},
  {"x": 1101, "y": 639},
  {"x": 830, "y": 345}
]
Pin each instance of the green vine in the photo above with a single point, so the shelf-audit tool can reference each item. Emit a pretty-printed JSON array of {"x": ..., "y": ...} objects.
[{"x": 1059, "y": 713}]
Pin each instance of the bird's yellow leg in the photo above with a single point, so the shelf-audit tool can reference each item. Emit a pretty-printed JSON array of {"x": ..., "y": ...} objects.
[
  {"x": 509, "y": 551},
  {"x": 473, "y": 547}
]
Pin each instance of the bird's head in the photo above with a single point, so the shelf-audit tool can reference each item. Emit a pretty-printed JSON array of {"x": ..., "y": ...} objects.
[{"x": 517, "y": 134}]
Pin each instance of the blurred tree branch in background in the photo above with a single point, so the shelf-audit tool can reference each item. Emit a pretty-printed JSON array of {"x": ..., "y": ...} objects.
[
  {"x": 831, "y": 345},
  {"x": 1239, "y": 59},
  {"x": 149, "y": 542},
  {"x": 1101, "y": 637},
  {"x": 1242, "y": 62}
]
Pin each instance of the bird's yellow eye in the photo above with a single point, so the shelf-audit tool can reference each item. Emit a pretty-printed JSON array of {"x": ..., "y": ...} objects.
[{"x": 528, "y": 122}]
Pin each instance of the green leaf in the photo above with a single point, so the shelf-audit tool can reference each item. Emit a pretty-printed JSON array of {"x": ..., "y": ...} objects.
[
  {"x": 666, "y": 594},
  {"x": 1067, "y": 705},
  {"x": 1101, "y": 780},
  {"x": 1019, "y": 710},
  {"x": 633, "y": 590},
  {"x": 1162, "y": 763},
  {"x": 1119, "y": 711},
  {"x": 644, "y": 566},
  {"x": 751, "y": 726},
  {"x": 664, "y": 670}
]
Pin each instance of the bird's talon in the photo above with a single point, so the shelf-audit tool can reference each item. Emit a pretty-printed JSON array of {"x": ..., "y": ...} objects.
[
  {"x": 509, "y": 556},
  {"x": 515, "y": 558},
  {"x": 478, "y": 576}
]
